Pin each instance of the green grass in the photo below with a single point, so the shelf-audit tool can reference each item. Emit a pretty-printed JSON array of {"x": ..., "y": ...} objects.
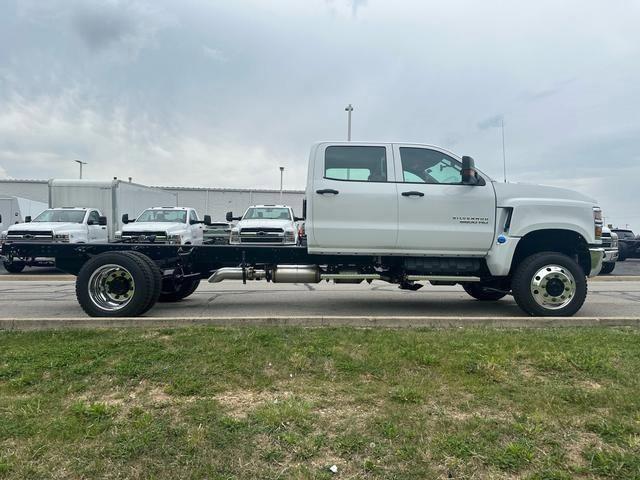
[{"x": 289, "y": 403}]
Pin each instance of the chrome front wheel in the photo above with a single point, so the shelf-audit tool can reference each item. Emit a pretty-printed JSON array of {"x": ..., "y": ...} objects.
[{"x": 553, "y": 287}]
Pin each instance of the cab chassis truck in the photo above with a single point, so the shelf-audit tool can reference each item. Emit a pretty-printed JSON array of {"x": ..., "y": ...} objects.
[{"x": 400, "y": 213}]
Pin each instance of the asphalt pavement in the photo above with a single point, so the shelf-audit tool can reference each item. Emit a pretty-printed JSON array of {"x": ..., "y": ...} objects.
[{"x": 56, "y": 299}]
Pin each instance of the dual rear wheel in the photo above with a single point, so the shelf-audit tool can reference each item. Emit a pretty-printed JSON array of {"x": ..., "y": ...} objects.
[{"x": 123, "y": 284}]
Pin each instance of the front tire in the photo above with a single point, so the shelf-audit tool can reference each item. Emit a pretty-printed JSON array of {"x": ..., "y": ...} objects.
[
  {"x": 483, "y": 293},
  {"x": 607, "y": 268},
  {"x": 14, "y": 266},
  {"x": 115, "y": 284},
  {"x": 549, "y": 284}
]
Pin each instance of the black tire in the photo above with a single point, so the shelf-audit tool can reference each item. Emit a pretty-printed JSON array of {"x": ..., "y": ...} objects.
[
  {"x": 622, "y": 252},
  {"x": 607, "y": 268},
  {"x": 181, "y": 291},
  {"x": 156, "y": 274},
  {"x": 551, "y": 264},
  {"x": 138, "y": 274},
  {"x": 482, "y": 293},
  {"x": 13, "y": 267}
]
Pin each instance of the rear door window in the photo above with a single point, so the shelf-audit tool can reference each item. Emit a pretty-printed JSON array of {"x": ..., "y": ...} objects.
[{"x": 356, "y": 163}]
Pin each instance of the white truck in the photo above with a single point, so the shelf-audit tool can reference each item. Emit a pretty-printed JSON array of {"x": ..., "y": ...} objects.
[
  {"x": 177, "y": 225},
  {"x": 265, "y": 225},
  {"x": 54, "y": 225},
  {"x": 396, "y": 212}
]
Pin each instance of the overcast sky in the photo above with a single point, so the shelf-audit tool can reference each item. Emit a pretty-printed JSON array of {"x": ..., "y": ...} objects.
[{"x": 220, "y": 94}]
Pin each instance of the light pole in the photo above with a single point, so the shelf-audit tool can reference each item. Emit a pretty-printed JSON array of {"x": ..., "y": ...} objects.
[
  {"x": 81, "y": 163},
  {"x": 281, "y": 176},
  {"x": 349, "y": 109}
]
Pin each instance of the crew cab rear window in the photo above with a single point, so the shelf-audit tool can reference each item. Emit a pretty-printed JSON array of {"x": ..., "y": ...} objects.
[
  {"x": 357, "y": 164},
  {"x": 423, "y": 165}
]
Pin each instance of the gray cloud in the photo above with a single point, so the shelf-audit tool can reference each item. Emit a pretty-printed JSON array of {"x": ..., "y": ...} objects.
[
  {"x": 491, "y": 122},
  {"x": 101, "y": 25}
]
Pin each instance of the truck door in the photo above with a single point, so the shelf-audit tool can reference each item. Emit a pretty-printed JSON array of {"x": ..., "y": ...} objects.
[
  {"x": 95, "y": 231},
  {"x": 438, "y": 214},
  {"x": 355, "y": 201},
  {"x": 197, "y": 230}
]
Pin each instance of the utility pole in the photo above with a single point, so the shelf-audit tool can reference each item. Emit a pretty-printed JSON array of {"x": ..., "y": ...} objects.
[
  {"x": 81, "y": 163},
  {"x": 349, "y": 109},
  {"x": 504, "y": 155},
  {"x": 281, "y": 176}
]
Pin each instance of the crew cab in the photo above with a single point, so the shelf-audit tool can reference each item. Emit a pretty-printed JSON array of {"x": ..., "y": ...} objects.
[
  {"x": 265, "y": 225},
  {"x": 177, "y": 225},
  {"x": 394, "y": 212},
  {"x": 55, "y": 225}
]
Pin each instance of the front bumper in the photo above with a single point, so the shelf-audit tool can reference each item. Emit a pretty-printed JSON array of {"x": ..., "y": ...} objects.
[
  {"x": 610, "y": 255},
  {"x": 597, "y": 256}
]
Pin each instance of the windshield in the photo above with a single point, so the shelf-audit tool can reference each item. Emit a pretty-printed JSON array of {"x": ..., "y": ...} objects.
[
  {"x": 66, "y": 216},
  {"x": 172, "y": 216},
  {"x": 270, "y": 213}
]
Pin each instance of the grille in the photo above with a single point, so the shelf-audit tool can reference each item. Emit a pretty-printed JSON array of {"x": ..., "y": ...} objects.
[
  {"x": 30, "y": 236},
  {"x": 146, "y": 234},
  {"x": 606, "y": 239}
]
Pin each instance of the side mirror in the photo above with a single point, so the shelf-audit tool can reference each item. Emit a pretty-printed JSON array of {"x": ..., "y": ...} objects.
[
  {"x": 125, "y": 218},
  {"x": 27, "y": 219},
  {"x": 229, "y": 216},
  {"x": 469, "y": 174},
  {"x": 102, "y": 221},
  {"x": 207, "y": 220}
]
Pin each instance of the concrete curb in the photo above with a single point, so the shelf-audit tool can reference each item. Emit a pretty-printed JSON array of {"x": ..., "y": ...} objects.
[{"x": 318, "y": 321}]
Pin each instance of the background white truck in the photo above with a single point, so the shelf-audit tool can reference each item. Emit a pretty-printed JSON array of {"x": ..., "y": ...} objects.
[
  {"x": 397, "y": 212},
  {"x": 113, "y": 198},
  {"x": 177, "y": 225},
  {"x": 54, "y": 225},
  {"x": 265, "y": 225}
]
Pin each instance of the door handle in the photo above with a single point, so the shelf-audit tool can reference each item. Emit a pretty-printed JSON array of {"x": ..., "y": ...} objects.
[
  {"x": 327, "y": 190},
  {"x": 412, "y": 194}
]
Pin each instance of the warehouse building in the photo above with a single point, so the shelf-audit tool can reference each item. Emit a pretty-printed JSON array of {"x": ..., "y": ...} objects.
[{"x": 207, "y": 201}]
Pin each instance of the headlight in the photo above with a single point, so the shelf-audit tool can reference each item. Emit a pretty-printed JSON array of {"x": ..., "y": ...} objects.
[
  {"x": 118, "y": 235},
  {"x": 597, "y": 221},
  {"x": 61, "y": 237},
  {"x": 174, "y": 238},
  {"x": 235, "y": 236},
  {"x": 289, "y": 236},
  {"x": 3, "y": 235}
]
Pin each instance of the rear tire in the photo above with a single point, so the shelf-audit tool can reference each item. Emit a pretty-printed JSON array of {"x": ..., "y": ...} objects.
[
  {"x": 181, "y": 291},
  {"x": 549, "y": 284},
  {"x": 115, "y": 284},
  {"x": 607, "y": 268},
  {"x": 155, "y": 273},
  {"x": 482, "y": 293},
  {"x": 13, "y": 267}
]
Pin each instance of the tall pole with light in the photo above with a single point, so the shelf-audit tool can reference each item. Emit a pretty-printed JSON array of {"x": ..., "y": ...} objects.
[
  {"x": 281, "y": 177},
  {"x": 81, "y": 163},
  {"x": 349, "y": 109}
]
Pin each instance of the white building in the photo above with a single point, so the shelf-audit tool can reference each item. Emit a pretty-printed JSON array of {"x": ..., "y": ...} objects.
[{"x": 207, "y": 201}]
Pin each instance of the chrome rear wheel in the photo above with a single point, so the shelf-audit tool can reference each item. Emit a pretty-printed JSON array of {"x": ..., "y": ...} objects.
[{"x": 111, "y": 287}]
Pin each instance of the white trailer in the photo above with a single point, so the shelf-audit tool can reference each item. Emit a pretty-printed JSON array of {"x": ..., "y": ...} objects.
[
  {"x": 113, "y": 198},
  {"x": 15, "y": 209}
]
